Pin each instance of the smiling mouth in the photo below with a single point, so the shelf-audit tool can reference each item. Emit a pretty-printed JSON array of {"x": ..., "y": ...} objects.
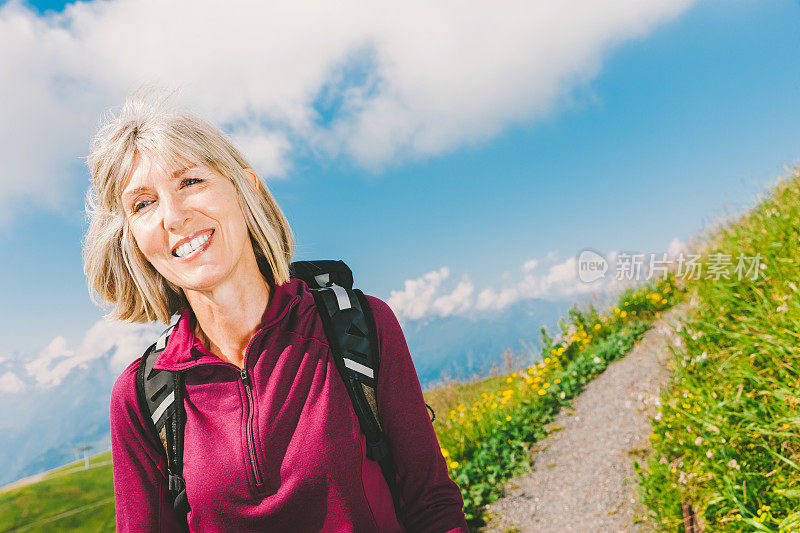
[{"x": 188, "y": 246}]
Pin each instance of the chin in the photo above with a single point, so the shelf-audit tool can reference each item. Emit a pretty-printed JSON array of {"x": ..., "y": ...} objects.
[{"x": 202, "y": 282}]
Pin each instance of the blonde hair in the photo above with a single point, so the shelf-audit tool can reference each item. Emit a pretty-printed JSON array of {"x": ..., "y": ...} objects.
[{"x": 116, "y": 270}]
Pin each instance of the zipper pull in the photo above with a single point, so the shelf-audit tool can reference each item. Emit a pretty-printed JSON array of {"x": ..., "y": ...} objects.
[{"x": 245, "y": 377}]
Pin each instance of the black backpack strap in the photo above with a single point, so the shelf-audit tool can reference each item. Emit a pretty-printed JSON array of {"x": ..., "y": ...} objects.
[
  {"x": 352, "y": 335},
  {"x": 320, "y": 274},
  {"x": 160, "y": 395}
]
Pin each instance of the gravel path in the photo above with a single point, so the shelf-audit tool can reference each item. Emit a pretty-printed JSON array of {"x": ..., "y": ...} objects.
[{"x": 583, "y": 478}]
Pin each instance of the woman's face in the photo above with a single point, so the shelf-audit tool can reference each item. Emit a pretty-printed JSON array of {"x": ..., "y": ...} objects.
[{"x": 187, "y": 223}]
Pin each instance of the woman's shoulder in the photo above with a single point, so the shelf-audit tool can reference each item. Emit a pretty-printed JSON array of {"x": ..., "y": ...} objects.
[
  {"x": 386, "y": 322},
  {"x": 123, "y": 393}
]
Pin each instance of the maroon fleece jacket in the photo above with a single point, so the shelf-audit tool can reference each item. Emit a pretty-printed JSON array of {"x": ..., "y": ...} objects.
[{"x": 286, "y": 452}]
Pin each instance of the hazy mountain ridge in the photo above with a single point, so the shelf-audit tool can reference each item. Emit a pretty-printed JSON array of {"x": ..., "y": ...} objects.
[
  {"x": 41, "y": 426},
  {"x": 459, "y": 346}
]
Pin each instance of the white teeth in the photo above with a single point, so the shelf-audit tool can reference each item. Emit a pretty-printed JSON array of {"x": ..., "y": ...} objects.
[{"x": 189, "y": 247}]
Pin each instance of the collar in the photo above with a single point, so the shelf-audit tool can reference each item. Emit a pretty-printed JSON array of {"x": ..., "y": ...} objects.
[{"x": 184, "y": 349}]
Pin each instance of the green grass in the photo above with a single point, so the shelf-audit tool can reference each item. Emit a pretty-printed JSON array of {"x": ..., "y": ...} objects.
[
  {"x": 70, "y": 499},
  {"x": 727, "y": 437}
]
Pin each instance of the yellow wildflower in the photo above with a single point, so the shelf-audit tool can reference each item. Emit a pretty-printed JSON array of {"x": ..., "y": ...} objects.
[
  {"x": 445, "y": 453},
  {"x": 454, "y": 464},
  {"x": 542, "y": 392},
  {"x": 623, "y": 314}
]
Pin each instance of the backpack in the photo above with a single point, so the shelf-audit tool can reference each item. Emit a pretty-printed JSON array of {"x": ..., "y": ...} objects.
[{"x": 350, "y": 330}]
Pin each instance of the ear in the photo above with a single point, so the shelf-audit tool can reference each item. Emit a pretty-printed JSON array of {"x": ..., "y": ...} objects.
[{"x": 254, "y": 179}]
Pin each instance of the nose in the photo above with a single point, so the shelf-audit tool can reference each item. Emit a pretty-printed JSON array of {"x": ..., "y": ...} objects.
[{"x": 175, "y": 214}]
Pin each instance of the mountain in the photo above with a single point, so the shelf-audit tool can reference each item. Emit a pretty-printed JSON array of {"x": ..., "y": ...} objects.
[
  {"x": 463, "y": 346},
  {"x": 59, "y": 400},
  {"x": 40, "y": 426}
]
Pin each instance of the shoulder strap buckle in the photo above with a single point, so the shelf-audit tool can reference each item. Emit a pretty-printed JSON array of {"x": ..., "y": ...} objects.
[{"x": 377, "y": 450}]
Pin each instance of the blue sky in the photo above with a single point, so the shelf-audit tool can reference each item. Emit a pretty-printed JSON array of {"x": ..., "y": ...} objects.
[{"x": 670, "y": 128}]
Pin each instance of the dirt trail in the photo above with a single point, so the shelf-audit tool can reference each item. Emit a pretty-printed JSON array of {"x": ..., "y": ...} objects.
[{"x": 583, "y": 478}]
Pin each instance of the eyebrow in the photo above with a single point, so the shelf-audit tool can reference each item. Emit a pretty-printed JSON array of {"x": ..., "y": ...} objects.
[
  {"x": 181, "y": 171},
  {"x": 175, "y": 175}
]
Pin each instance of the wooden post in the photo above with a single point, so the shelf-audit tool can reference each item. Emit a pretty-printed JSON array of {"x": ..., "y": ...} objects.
[{"x": 690, "y": 523}]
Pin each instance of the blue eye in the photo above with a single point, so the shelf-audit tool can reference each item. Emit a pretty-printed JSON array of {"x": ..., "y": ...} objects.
[
  {"x": 189, "y": 181},
  {"x": 140, "y": 205}
]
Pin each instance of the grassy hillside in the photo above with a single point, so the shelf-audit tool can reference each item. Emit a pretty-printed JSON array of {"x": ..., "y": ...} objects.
[
  {"x": 486, "y": 428},
  {"x": 727, "y": 437},
  {"x": 68, "y": 499}
]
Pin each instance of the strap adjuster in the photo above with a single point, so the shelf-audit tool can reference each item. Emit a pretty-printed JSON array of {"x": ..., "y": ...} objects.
[
  {"x": 178, "y": 486},
  {"x": 376, "y": 451},
  {"x": 176, "y": 483}
]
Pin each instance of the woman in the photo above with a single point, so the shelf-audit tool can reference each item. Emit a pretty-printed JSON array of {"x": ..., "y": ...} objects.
[{"x": 179, "y": 223}]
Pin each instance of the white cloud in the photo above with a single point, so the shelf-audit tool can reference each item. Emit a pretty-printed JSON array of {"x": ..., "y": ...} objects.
[
  {"x": 490, "y": 299},
  {"x": 417, "y": 296},
  {"x": 560, "y": 281},
  {"x": 428, "y": 296},
  {"x": 551, "y": 256},
  {"x": 266, "y": 151},
  {"x": 456, "y": 301},
  {"x": 120, "y": 342},
  {"x": 9, "y": 382},
  {"x": 399, "y": 80},
  {"x": 529, "y": 265}
]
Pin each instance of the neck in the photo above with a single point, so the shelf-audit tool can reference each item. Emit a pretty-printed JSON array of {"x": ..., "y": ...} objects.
[{"x": 229, "y": 316}]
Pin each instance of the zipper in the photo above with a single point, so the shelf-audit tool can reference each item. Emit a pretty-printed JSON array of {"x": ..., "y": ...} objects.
[
  {"x": 246, "y": 382},
  {"x": 251, "y": 447}
]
